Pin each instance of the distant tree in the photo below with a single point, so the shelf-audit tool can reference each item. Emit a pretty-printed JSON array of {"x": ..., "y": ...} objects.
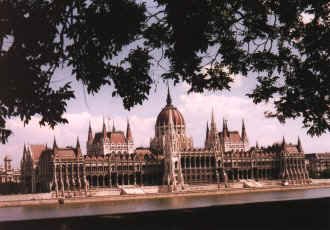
[{"x": 199, "y": 42}]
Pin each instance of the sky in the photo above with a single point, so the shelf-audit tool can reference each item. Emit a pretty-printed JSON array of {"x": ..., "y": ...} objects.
[{"x": 196, "y": 109}]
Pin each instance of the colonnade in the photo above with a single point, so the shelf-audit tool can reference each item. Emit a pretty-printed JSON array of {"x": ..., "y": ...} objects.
[
  {"x": 69, "y": 176},
  {"x": 294, "y": 170},
  {"x": 254, "y": 173},
  {"x": 198, "y": 169}
]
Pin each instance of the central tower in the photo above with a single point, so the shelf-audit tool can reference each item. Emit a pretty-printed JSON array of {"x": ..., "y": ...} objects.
[
  {"x": 162, "y": 126},
  {"x": 173, "y": 176}
]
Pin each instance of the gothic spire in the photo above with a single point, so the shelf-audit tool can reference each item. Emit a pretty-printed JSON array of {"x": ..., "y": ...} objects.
[
  {"x": 283, "y": 142},
  {"x": 90, "y": 133},
  {"x": 207, "y": 135},
  {"x": 225, "y": 128},
  {"x": 257, "y": 145},
  {"x": 104, "y": 130},
  {"x": 213, "y": 125},
  {"x": 78, "y": 143},
  {"x": 129, "y": 137},
  {"x": 299, "y": 146},
  {"x": 113, "y": 126},
  {"x": 54, "y": 143},
  {"x": 213, "y": 128},
  {"x": 168, "y": 99},
  {"x": 207, "y": 129},
  {"x": 244, "y": 135}
]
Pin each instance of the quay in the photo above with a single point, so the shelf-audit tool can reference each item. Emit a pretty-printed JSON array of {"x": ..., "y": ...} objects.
[
  {"x": 109, "y": 195},
  {"x": 295, "y": 207}
]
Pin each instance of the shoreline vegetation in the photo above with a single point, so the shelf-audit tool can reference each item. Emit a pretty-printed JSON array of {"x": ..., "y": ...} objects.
[{"x": 190, "y": 193}]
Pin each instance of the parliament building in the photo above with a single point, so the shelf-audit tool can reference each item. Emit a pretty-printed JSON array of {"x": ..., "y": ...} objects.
[{"x": 171, "y": 161}]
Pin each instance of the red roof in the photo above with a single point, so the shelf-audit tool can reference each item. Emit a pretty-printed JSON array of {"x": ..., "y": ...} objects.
[
  {"x": 36, "y": 151},
  {"x": 233, "y": 136},
  {"x": 65, "y": 153},
  {"x": 291, "y": 149},
  {"x": 116, "y": 137},
  {"x": 164, "y": 116}
]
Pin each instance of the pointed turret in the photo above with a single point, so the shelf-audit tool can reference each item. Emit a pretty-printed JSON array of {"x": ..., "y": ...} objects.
[
  {"x": 213, "y": 124},
  {"x": 54, "y": 143},
  {"x": 90, "y": 134},
  {"x": 283, "y": 142},
  {"x": 129, "y": 136},
  {"x": 104, "y": 130},
  {"x": 299, "y": 146},
  {"x": 78, "y": 147},
  {"x": 207, "y": 132},
  {"x": 213, "y": 137},
  {"x": 225, "y": 129},
  {"x": 168, "y": 99},
  {"x": 207, "y": 129},
  {"x": 78, "y": 143},
  {"x": 244, "y": 135},
  {"x": 113, "y": 126}
]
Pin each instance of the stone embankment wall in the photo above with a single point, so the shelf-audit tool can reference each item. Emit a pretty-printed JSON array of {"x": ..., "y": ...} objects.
[
  {"x": 24, "y": 197},
  {"x": 320, "y": 181},
  {"x": 104, "y": 192},
  {"x": 151, "y": 189}
]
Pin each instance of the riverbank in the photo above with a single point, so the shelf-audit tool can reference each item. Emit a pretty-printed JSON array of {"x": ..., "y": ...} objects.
[{"x": 47, "y": 200}]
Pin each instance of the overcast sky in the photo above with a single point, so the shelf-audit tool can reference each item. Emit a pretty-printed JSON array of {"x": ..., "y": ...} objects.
[{"x": 196, "y": 109}]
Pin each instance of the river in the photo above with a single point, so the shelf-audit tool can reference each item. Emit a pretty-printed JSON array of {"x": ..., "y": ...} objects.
[{"x": 135, "y": 210}]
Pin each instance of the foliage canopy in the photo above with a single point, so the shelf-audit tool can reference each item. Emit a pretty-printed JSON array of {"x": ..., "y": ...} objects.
[{"x": 202, "y": 42}]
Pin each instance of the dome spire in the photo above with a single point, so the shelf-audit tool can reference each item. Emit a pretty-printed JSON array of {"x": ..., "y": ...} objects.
[{"x": 168, "y": 99}]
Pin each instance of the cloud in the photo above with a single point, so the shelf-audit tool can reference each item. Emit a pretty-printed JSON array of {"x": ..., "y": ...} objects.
[
  {"x": 66, "y": 135},
  {"x": 196, "y": 109}
]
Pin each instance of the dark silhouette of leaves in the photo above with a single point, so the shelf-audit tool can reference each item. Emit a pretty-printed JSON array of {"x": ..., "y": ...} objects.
[{"x": 202, "y": 42}]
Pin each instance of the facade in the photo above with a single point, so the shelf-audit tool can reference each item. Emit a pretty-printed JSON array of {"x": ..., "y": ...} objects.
[
  {"x": 104, "y": 142},
  {"x": 9, "y": 177},
  {"x": 171, "y": 161},
  {"x": 30, "y": 167},
  {"x": 8, "y": 174},
  {"x": 319, "y": 164}
]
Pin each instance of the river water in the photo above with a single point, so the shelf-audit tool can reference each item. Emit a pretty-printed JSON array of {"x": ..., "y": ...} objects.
[{"x": 149, "y": 205}]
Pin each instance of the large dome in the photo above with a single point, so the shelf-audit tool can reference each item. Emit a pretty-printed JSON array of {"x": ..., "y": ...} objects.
[{"x": 163, "y": 117}]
